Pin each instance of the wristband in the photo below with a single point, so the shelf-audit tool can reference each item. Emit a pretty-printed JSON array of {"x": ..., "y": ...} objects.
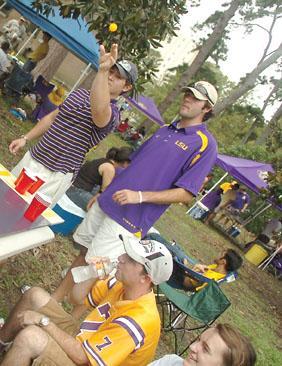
[
  {"x": 140, "y": 197},
  {"x": 24, "y": 137}
]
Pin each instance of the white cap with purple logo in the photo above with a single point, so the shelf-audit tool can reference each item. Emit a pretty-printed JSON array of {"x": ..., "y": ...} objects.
[{"x": 154, "y": 256}]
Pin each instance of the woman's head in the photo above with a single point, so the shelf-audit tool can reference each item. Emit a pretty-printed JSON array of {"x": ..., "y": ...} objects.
[
  {"x": 221, "y": 345},
  {"x": 121, "y": 156}
]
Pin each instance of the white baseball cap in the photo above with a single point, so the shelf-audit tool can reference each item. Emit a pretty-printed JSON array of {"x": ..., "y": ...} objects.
[
  {"x": 153, "y": 255},
  {"x": 203, "y": 90}
]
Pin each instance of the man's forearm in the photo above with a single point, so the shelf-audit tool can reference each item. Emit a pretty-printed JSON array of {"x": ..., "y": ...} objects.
[
  {"x": 165, "y": 197},
  {"x": 70, "y": 345},
  {"x": 176, "y": 195},
  {"x": 100, "y": 99},
  {"x": 42, "y": 126}
]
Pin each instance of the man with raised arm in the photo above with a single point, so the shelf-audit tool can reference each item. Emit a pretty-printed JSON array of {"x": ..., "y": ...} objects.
[{"x": 80, "y": 123}]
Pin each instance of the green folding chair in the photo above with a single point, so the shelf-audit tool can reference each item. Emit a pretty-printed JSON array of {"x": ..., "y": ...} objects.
[{"x": 179, "y": 308}]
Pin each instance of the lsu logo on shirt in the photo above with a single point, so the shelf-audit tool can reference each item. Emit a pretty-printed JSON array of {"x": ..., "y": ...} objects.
[{"x": 181, "y": 145}]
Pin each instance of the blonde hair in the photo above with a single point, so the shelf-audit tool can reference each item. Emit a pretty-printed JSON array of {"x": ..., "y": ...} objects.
[{"x": 241, "y": 351}]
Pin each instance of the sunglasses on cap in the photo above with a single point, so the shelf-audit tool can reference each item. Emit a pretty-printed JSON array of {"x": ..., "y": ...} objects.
[{"x": 201, "y": 89}]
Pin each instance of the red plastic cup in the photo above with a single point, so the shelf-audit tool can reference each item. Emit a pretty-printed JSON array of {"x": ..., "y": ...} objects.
[
  {"x": 36, "y": 185},
  {"x": 20, "y": 176},
  {"x": 38, "y": 205},
  {"x": 25, "y": 182}
]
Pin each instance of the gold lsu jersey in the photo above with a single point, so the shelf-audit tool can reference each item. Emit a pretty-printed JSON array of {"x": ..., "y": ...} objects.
[{"x": 117, "y": 331}]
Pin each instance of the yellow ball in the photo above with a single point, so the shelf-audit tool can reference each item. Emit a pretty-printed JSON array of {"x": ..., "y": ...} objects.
[{"x": 113, "y": 27}]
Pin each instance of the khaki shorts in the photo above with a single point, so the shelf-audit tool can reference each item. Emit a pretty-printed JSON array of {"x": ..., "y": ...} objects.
[
  {"x": 53, "y": 355},
  {"x": 100, "y": 234},
  {"x": 56, "y": 183}
]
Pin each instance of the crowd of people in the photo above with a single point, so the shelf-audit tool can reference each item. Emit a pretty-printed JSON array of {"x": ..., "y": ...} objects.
[{"x": 122, "y": 325}]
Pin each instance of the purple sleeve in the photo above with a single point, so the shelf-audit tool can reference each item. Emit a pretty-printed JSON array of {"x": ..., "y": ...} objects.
[
  {"x": 114, "y": 121},
  {"x": 194, "y": 173}
]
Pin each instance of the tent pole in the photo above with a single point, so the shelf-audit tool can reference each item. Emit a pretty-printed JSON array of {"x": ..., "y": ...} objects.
[
  {"x": 190, "y": 209},
  {"x": 26, "y": 42},
  {"x": 2, "y": 6},
  {"x": 254, "y": 213},
  {"x": 254, "y": 216},
  {"x": 81, "y": 77}
]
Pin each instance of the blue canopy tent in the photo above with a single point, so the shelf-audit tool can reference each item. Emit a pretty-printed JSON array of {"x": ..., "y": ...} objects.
[{"x": 73, "y": 34}]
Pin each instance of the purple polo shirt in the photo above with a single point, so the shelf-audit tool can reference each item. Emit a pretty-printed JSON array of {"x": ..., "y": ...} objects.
[
  {"x": 241, "y": 199},
  {"x": 212, "y": 199},
  {"x": 171, "y": 158}
]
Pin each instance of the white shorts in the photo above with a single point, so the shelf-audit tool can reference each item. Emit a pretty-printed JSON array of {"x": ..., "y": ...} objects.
[
  {"x": 56, "y": 183},
  {"x": 100, "y": 234}
]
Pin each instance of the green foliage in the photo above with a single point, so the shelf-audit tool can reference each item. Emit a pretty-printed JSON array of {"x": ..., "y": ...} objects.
[
  {"x": 142, "y": 24},
  {"x": 232, "y": 125}
]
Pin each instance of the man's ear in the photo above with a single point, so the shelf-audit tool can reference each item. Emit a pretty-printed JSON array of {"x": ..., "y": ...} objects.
[
  {"x": 206, "y": 109},
  {"x": 127, "y": 87}
]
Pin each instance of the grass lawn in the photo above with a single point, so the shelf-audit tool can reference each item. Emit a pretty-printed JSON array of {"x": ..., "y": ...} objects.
[{"x": 255, "y": 296}]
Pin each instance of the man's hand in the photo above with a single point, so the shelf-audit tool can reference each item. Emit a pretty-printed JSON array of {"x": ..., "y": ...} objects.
[
  {"x": 16, "y": 145},
  {"x": 29, "y": 317},
  {"x": 92, "y": 201},
  {"x": 126, "y": 196},
  {"x": 107, "y": 60},
  {"x": 201, "y": 268}
]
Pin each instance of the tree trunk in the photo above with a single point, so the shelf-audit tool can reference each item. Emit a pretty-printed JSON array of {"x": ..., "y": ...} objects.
[
  {"x": 270, "y": 127},
  {"x": 50, "y": 64},
  {"x": 265, "y": 104},
  {"x": 248, "y": 82},
  {"x": 88, "y": 80},
  {"x": 202, "y": 55}
]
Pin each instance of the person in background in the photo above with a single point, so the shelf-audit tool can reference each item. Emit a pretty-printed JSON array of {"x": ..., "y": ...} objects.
[
  {"x": 122, "y": 326},
  {"x": 273, "y": 228},
  {"x": 94, "y": 176},
  {"x": 5, "y": 63},
  {"x": 227, "y": 185},
  {"x": 221, "y": 345},
  {"x": 123, "y": 126},
  {"x": 14, "y": 31},
  {"x": 48, "y": 104},
  {"x": 38, "y": 54},
  {"x": 228, "y": 262},
  {"x": 211, "y": 201}
]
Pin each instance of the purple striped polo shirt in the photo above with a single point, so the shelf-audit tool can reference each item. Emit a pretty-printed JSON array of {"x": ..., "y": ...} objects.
[
  {"x": 173, "y": 157},
  {"x": 63, "y": 146}
]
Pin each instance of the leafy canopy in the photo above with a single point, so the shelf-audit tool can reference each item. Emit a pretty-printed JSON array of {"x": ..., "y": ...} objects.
[{"x": 142, "y": 24}]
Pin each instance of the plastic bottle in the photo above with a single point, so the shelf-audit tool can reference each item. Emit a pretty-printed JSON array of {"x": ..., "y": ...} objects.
[{"x": 97, "y": 270}]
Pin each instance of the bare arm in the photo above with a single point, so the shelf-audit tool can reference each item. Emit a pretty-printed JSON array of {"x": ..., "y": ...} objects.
[
  {"x": 100, "y": 94},
  {"x": 175, "y": 195},
  {"x": 38, "y": 130},
  {"x": 107, "y": 171},
  {"x": 70, "y": 345}
]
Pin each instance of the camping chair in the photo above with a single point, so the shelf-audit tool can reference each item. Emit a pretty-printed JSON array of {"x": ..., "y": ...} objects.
[
  {"x": 185, "y": 312},
  {"x": 18, "y": 82},
  {"x": 184, "y": 309},
  {"x": 178, "y": 255}
]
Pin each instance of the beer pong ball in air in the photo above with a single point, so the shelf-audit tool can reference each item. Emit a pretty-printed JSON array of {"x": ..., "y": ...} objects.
[
  {"x": 39, "y": 204},
  {"x": 25, "y": 182},
  {"x": 39, "y": 182},
  {"x": 19, "y": 176},
  {"x": 113, "y": 27}
]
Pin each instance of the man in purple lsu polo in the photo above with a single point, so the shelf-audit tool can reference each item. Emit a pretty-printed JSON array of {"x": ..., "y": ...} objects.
[
  {"x": 168, "y": 168},
  {"x": 84, "y": 119}
]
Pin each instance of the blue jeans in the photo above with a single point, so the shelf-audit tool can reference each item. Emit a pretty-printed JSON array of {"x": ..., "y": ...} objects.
[{"x": 81, "y": 197}]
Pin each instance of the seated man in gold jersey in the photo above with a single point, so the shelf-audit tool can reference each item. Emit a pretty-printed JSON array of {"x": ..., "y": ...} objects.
[{"x": 123, "y": 326}]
